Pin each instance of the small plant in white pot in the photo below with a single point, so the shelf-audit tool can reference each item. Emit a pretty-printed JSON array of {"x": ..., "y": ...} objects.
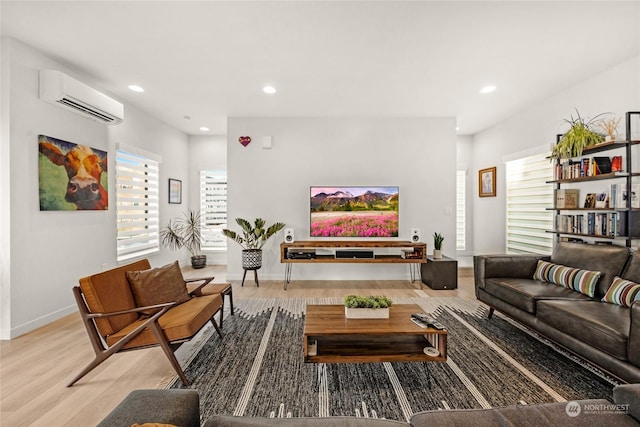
[
  {"x": 252, "y": 238},
  {"x": 373, "y": 307},
  {"x": 437, "y": 245}
]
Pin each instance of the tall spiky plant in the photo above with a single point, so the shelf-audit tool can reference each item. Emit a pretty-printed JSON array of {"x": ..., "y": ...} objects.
[
  {"x": 437, "y": 241},
  {"x": 184, "y": 232}
]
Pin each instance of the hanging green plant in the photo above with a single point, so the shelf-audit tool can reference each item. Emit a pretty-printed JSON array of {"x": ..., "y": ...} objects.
[{"x": 580, "y": 136}]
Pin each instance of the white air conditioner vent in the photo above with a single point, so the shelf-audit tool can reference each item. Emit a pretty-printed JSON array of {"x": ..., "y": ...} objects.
[{"x": 67, "y": 92}]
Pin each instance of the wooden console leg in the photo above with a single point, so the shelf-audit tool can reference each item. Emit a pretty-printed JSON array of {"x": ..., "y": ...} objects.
[{"x": 490, "y": 313}]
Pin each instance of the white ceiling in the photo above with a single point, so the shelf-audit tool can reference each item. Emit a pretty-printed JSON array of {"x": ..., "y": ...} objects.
[{"x": 209, "y": 60}]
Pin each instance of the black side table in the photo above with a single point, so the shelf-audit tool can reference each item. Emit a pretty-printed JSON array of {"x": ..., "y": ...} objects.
[{"x": 440, "y": 273}]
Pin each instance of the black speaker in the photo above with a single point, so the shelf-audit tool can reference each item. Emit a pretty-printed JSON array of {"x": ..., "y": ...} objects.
[
  {"x": 354, "y": 253},
  {"x": 415, "y": 235},
  {"x": 288, "y": 235}
]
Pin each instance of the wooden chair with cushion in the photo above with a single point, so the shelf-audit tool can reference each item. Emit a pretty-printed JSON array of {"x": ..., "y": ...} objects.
[
  {"x": 134, "y": 306},
  {"x": 224, "y": 289}
]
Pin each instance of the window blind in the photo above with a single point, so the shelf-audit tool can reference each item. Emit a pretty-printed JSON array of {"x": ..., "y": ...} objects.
[
  {"x": 136, "y": 205},
  {"x": 213, "y": 208},
  {"x": 528, "y": 197},
  {"x": 461, "y": 197}
]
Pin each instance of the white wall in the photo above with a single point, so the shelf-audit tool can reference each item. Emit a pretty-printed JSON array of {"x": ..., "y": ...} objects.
[
  {"x": 617, "y": 91},
  {"x": 418, "y": 155},
  {"x": 464, "y": 152},
  {"x": 206, "y": 153},
  {"x": 49, "y": 251}
]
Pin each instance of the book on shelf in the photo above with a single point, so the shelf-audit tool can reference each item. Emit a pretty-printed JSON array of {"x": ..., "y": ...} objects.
[
  {"x": 587, "y": 166},
  {"x": 606, "y": 224},
  {"x": 616, "y": 164},
  {"x": 602, "y": 200},
  {"x": 619, "y": 195},
  {"x": 602, "y": 165},
  {"x": 566, "y": 198},
  {"x": 590, "y": 200}
]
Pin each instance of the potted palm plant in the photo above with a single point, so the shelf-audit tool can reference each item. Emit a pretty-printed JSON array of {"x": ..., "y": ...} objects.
[
  {"x": 185, "y": 232},
  {"x": 252, "y": 238}
]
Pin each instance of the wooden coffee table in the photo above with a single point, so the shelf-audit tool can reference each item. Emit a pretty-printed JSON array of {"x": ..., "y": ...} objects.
[{"x": 329, "y": 337}]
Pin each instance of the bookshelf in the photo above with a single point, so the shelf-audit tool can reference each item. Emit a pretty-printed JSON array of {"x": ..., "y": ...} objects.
[{"x": 619, "y": 218}]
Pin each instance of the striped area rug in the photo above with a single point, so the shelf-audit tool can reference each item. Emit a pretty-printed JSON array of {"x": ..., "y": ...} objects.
[{"x": 257, "y": 369}]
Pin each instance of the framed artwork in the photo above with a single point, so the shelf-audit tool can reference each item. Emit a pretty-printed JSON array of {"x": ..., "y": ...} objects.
[
  {"x": 175, "y": 191},
  {"x": 487, "y": 182},
  {"x": 71, "y": 177}
]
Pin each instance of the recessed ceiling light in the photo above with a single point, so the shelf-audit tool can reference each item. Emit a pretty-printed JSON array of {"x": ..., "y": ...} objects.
[
  {"x": 269, "y": 89},
  {"x": 488, "y": 89},
  {"x": 136, "y": 88},
  {"x": 204, "y": 129}
]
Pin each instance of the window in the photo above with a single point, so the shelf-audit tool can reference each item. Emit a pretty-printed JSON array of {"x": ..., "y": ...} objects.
[
  {"x": 213, "y": 208},
  {"x": 461, "y": 197},
  {"x": 136, "y": 205},
  {"x": 528, "y": 197}
]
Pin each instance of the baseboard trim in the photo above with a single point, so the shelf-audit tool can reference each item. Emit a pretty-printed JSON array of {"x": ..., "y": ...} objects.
[{"x": 42, "y": 321}]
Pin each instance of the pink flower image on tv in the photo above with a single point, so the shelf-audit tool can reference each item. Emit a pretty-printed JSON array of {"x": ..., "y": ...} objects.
[
  {"x": 380, "y": 225},
  {"x": 354, "y": 211}
]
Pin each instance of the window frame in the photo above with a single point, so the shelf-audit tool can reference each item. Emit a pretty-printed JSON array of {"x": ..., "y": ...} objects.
[{"x": 137, "y": 180}]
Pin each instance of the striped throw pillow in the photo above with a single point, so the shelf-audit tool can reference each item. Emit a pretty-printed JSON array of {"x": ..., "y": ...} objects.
[
  {"x": 583, "y": 281},
  {"x": 542, "y": 271},
  {"x": 622, "y": 292}
]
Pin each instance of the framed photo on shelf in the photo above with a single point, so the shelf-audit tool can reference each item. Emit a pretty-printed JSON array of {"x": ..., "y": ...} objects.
[
  {"x": 590, "y": 200},
  {"x": 175, "y": 191},
  {"x": 487, "y": 182}
]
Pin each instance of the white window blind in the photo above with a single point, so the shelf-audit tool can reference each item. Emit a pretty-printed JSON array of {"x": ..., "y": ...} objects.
[
  {"x": 213, "y": 208},
  {"x": 461, "y": 197},
  {"x": 136, "y": 205},
  {"x": 528, "y": 198}
]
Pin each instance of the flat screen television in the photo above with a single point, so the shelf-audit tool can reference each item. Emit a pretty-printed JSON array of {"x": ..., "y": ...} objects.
[{"x": 354, "y": 211}]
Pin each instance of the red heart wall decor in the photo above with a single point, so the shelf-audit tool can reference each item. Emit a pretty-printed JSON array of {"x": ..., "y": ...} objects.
[{"x": 244, "y": 140}]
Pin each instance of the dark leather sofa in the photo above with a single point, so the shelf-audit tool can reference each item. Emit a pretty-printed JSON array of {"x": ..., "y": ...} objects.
[{"x": 607, "y": 335}]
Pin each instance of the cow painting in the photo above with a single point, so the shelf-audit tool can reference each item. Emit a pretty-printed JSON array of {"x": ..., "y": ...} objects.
[{"x": 72, "y": 176}]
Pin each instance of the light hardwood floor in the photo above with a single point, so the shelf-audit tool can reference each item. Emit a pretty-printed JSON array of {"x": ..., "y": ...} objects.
[{"x": 35, "y": 367}]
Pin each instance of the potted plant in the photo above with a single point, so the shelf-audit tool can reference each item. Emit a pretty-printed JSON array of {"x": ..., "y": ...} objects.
[
  {"x": 610, "y": 128},
  {"x": 252, "y": 239},
  {"x": 373, "y": 307},
  {"x": 580, "y": 136},
  {"x": 437, "y": 245},
  {"x": 185, "y": 232}
]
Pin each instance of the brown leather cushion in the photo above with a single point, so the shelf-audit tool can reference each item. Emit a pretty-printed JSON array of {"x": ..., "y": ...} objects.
[
  {"x": 216, "y": 288},
  {"x": 180, "y": 322},
  {"x": 158, "y": 286},
  {"x": 110, "y": 291}
]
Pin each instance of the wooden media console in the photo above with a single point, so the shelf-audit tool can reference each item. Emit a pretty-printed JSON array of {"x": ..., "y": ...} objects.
[{"x": 411, "y": 253}]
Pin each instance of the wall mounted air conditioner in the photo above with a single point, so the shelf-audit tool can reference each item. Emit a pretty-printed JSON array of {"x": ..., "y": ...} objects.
[{"x": 67, "y": 92}]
